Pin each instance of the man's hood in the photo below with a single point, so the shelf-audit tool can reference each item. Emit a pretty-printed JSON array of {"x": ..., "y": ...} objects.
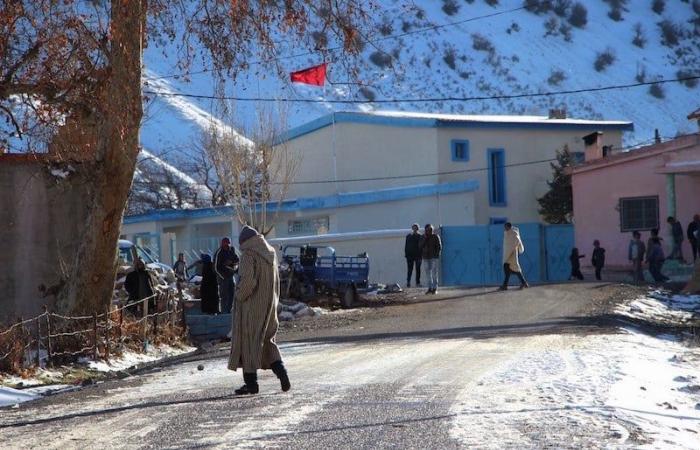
[{"x": 258, "y": 245}]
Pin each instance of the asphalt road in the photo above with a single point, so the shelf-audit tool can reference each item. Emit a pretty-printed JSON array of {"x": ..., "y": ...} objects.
[{"x": 388, "y": 380}]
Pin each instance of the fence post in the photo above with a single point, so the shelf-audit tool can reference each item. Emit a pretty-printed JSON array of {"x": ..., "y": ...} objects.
[
  {"x": 155, "y": 317},
  {"x": 48, "y": 335},
  {"x": 23, "y": 333},
  {"x": 38, "y": 342},
  {"x": 108, "y": 322},
  {"x": 121, "y": 322},
  {"x": 94, "y": 329}
]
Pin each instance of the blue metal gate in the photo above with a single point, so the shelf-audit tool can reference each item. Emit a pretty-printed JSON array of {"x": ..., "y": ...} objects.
[{"x": 473, "y": 255}]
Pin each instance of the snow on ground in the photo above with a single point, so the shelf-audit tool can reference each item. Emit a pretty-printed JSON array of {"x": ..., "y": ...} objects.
[
  {"x": 664, "y": 309},
  {"x": 624, "y": 390},
  {"x": 11, "y": 397},
  {"x": 129, "y": 358}
]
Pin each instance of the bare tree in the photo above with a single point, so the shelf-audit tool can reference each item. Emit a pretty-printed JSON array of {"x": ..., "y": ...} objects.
[
  {"x": 257, "y": 171},
  {"x": 70, "y": 77}
]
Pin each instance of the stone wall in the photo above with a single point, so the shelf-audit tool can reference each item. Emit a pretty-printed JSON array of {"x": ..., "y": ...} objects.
[{"x": 41, "y": 205}]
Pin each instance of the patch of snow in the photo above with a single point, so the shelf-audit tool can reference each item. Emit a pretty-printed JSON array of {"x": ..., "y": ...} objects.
[
  {"x": 658, "y": 307},
  {"x": 11, "y": 397},
  {"x": 60, "y": 173},
  {"x": 130, "y": 358}
]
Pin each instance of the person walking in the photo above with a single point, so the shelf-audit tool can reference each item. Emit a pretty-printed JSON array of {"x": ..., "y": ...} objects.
[
  {"x": 512, "y": 247},
  {"x": 656, "y": 260},
  {"x": 677, "y": 235},
  {"x": 598, "y": 259},
  {"x": 412, "y": 252},
  {"x": 431, "y": 255},
  {"x": 209, "y": 287},
  {"x": 225, "y": 266},
  {"x": 255, "y": 320},
  {"x": 635, "y": 253},
  {"x": 576, "y": 264},
  {"x": 694, "y": 236}
]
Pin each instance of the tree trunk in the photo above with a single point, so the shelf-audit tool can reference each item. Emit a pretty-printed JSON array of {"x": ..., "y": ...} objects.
[{"x": 91, "y": 275}]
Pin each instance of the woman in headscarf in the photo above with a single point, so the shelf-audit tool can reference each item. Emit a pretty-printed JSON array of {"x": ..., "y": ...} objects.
[{"x": 209, "y": 289}]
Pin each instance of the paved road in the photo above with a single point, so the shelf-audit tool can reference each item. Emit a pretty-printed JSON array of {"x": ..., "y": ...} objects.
[{"x": 391, "y": 380}]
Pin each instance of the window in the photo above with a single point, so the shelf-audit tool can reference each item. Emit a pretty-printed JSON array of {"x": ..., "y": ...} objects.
[
  {"x": 309, "y": 226},
  {"x": 460, "y": 150},
  {"x": 639, "y": 213},
  {"x": 498, "y": 220},
  {"x": 497, "y": 177}
]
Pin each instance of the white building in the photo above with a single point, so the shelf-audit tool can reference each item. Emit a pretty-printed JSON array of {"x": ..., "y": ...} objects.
[{"x": 364, "y": 178}]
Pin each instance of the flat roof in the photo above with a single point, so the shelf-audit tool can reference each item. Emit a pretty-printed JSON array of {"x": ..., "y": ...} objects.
[{"x": 438, "y": 120}]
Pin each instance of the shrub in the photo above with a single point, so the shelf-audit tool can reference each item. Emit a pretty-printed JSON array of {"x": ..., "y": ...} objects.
[
  {"x": 683, "y": 73},
  {"x": 449, "y": 58},
  {"x": 482, "y": 43},
  {"x": 658, "y": 6},
  {"x": 556, "y": 77},
  {"x": 639, "y": 39},
  {"x": 604, "y": 59},
  {"x": 565, "y": 31},
  {"x": 561, "y": 7},
  {"x": 450, "y": 7},
  {"x": 381, "y": 59},
  {"x": 368, "y": 93},
  {"x": 657, "y": 91},
  {"x": 578, "y": 16},
  {"x": 551, "y": 25},
  {"x": 670, "y": 33}
]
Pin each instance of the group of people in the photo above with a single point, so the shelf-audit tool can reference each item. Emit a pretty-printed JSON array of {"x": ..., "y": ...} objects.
[
  {"x": 597, "y": 261},
  {"x": 427, "y": 247}
]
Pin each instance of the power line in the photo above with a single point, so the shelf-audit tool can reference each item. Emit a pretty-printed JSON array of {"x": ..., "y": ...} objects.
[
  {"x": 425, "y": 99},
  {"x": 381, "y": 39}
]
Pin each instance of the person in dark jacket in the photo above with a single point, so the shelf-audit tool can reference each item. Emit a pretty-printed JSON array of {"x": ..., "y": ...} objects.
[
  {"x": 431, "y": 254},
  {"x": 677, "y": 234},
  {"x": 139, "y": 283},
  {"x": 694, "y": 236},
  {"x": 598, "y": 259},
  {"x": 576, "y": 264},
  {"x": 656, "y": 260},
  {"x": 412, "y": 251},
  {"x": 653, "y": 233},
  {"x": 208, "y": 288},
  {"x": 225, "y": 266},
  {"x": 180, "y": 269}
]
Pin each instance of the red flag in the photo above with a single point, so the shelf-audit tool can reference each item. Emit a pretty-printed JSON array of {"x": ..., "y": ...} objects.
[{"x": 315, "y": 75}]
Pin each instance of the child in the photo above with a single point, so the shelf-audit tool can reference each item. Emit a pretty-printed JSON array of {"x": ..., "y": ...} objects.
[
  {"x": 576, "y": 264},
  {"x": 656, "y": 260},
  {"x": 635, "y": 254},
  {"x": 598, "y": 258}
]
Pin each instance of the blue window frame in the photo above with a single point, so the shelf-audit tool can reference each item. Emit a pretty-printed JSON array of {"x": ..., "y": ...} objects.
[
  {"x": 460, "y": 150},
  {"x": 498, "y": 220},
  {"x": 497, "y": 176}
]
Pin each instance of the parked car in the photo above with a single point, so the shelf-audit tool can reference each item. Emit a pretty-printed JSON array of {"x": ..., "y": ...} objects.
[{"x": 128, "y": 252}]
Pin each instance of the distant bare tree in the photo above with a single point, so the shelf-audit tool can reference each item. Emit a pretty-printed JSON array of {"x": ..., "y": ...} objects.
[{"x": 256, "y": 173}]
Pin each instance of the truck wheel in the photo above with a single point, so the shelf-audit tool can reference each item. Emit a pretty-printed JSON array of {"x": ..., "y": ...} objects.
[{"x": 349, "y": 297}]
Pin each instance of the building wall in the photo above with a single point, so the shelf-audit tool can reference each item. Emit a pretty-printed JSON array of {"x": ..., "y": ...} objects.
[
  {"x": 596, "y": 200},
  {"x": 524, "y": 183}
]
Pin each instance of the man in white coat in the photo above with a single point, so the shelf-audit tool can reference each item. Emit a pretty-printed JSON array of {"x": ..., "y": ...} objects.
[{"x": 512, "y": 247}]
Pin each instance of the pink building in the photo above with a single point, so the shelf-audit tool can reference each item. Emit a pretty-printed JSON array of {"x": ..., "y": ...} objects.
[{"x": 616, "y": 194}]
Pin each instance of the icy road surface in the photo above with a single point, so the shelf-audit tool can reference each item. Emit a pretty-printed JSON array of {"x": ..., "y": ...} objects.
[{"x": 557, "y": 387}]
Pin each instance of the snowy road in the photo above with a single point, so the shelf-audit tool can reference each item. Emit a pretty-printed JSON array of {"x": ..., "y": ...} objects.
[{"x": 530, "y": 384}]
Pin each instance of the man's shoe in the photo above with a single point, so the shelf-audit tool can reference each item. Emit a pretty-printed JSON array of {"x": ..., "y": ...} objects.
[
  {"x": 281, "y": 372},
  {"x": 428, "y": 292},
  {"x": 503, "y": 288},
  {"x": 251, "y": 384},
  {"x": 408, "y": 284}
]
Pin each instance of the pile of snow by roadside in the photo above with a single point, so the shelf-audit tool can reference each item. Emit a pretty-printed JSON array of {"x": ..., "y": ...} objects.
[
  {"x": 297, "y": 310},
  {"x": 13, "y": 397},
  {"x": 132, "y": 359},
  {"x": 660, "y": 308},
  {"x": 603, "y": 391}
]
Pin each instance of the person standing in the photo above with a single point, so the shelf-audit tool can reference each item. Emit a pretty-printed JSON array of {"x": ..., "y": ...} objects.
[
  {"x": 635, "y": 253},
  {"x": 255, "y": 320},
  {"x": 140, "y": 284},
  {"x": 694, "y": 236},
  {"x": 412, "y": 251},
  {"x": 180, "y": 269},
  {"x": 598, "y": 258},
  {"x": 576, "y": 264},
  {"x": 656, "y": 260},
  {"x": 431, "y": 255},
  {"x": 208, "y": 288},
  {"x": 677, "y": 234},
  {"x": 225, "y": 265},
  {"x": 512, "y": 247}
]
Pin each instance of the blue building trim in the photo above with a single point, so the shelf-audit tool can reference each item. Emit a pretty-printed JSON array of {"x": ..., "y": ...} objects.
[
  {"x": 310, "y": 203},
  {"x": 428, "y": 122},
  {"x": 497, "y": 177},
  {"x": 453, "y": 147}
]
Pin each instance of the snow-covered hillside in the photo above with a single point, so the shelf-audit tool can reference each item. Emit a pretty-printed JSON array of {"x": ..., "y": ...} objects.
[{"x": 510, "y": 53}]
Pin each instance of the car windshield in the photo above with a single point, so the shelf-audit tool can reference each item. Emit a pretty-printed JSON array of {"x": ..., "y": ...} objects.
[
  {"x": 143, "y": 254},
  {"x": 125, "y": 257}
]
